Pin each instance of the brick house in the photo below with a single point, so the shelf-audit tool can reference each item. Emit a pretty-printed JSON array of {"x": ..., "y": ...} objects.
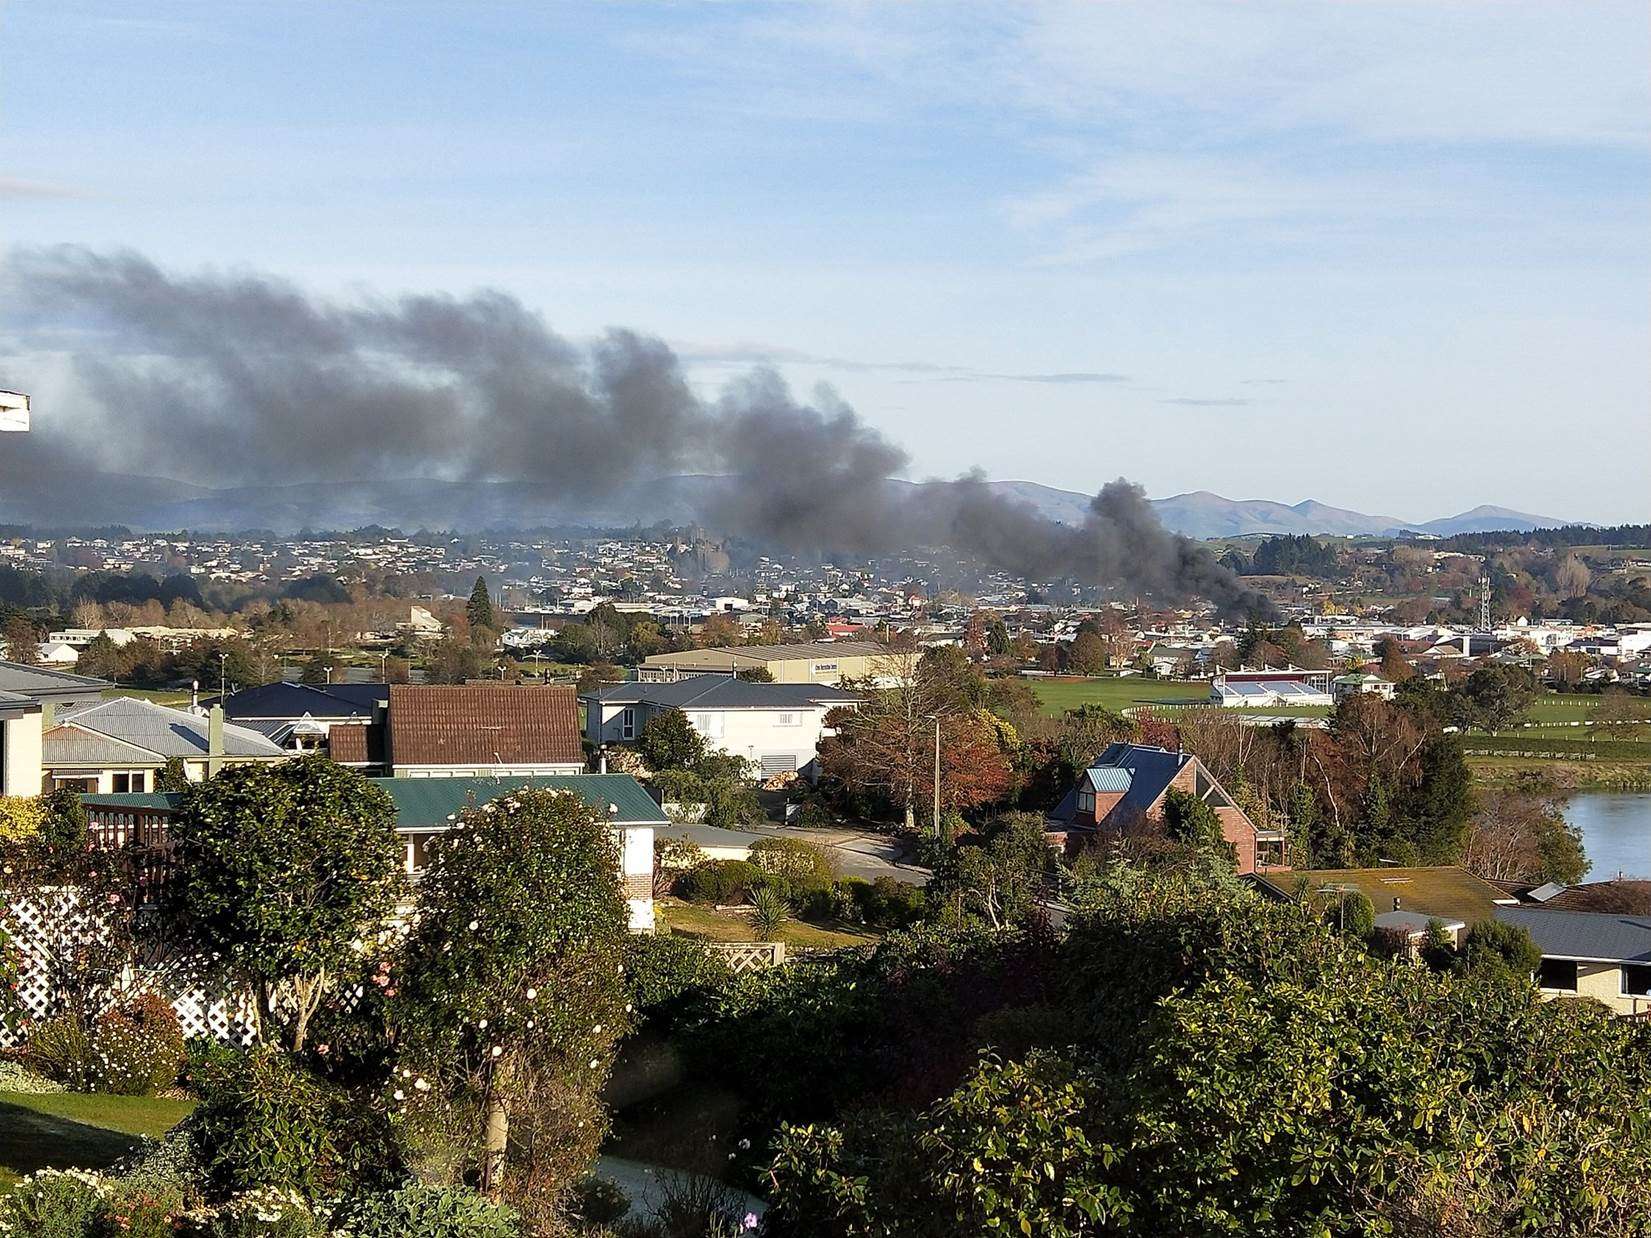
[{"x": 1124, "y": 790}]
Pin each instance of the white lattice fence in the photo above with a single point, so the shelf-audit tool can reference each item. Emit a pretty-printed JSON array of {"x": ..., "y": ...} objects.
[
  {"x": 50, "y": 925},
  {"x": 744, "y": 956}
]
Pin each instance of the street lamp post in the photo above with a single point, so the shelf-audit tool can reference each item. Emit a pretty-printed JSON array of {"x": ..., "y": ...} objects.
[
  {"x": 934, "y": 821},
  {"x": 384, "y": 667}
]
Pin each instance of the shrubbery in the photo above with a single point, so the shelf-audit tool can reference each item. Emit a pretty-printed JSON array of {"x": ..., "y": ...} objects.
[
  {"x": 664, "y": 969},
  {"x": 722, "y": 882},
  {"x": 421, "y": 1211},
  {"x": 133, "y": 1050}
]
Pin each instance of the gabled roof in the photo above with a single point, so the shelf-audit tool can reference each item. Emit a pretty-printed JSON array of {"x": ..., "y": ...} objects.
[
  {"x": 294, "y": 700},
  {"x": 36, "y": 682},
  {"x": 475, "y": 725},
  {"x": 722, "y": 691},
  {"x": 1584, "y": 935},
  {"x": 1108, "y": 779},
  {"x": 156, "y": 729},
  {"x": 356, "y": 744},
  {"x": 1148, "y": 771}
]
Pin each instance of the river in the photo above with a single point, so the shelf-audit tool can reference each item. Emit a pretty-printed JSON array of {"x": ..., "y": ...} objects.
[{"x": 1616, "y": 831}]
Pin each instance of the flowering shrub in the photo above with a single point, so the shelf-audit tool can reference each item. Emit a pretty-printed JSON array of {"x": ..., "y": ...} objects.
[
  {"x": 53, "y": 1204},
  {"x": 16, "y": 1077},
  {"x": 61, "y": 1048},
  {"x": 137, "y": 1049},
  {"x": 267, "y": 1212},
  {"x": 421, "y": 1211}
]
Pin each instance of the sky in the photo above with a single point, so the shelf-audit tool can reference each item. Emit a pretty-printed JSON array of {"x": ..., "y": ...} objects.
[{"x": 1393, "y": 257}]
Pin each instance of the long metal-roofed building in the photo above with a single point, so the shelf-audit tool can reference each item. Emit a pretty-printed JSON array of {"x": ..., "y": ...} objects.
[{"x": 807, "y": 662}]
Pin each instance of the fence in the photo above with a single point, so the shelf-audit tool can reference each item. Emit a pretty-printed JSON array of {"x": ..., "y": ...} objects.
[
  {"x": 49, "y": 927},
  {"x": 744, "y": 956}
]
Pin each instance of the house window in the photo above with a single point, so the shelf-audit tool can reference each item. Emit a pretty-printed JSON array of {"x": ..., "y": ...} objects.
[
  {"x": 1636, "y": 979},
  {"x": 627, "y": 723},
  {"x": 86, "y": 786},
  {"x": 787, "y": 720},
  {"x": 707, "y": 724},
  {"x": 1086, "y": 801},
  {"x": 131, "y": 782},
  {"x": 1557, "y": 974}
]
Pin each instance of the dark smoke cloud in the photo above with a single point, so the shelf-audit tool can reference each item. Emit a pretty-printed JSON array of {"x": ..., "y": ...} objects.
[{"x": 242, "y": 378}]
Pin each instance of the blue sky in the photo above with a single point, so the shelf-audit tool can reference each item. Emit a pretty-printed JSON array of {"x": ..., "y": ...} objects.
[{"x": 1395, "y": 257}]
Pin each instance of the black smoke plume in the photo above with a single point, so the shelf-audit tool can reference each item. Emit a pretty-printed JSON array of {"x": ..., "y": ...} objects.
[{"x": 241, "y": 378}]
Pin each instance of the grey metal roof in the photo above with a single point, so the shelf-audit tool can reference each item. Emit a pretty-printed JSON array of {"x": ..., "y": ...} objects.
[
  {"x": 1413, "y": 921},
  {"x": 1108, "y": 778},
  {"x": 34, "y": 682},
  {"x": 817, "y": 650},
  {"x": 157, "y": 729},
  {"x": 1590, "y": 936},
  {"x": 721, "y": 691}
]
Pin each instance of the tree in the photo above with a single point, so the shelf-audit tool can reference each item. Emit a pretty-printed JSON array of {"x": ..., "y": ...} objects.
[
  {"x": 995, "y": 878},
  {"x": 1191, "y": 821},
  {"x": 280, "y": 871},
  {"x": 755, "y": 674},
  {"x": 513, "y": 995},
  {"x": 668, "y": 741},
  {"x": 1493, "y": 698},
  {"x": 479, "y": 609},
  {"x": 172, "y": 776},
  {"x": 1519, "y": 833},
  {"x": 454, "y": 661},
  {"x": 22, "y": 640},
  {"x": 100, "y": 658},
  {"x": 1089, "y": 654},
  {"x": 1501, "y": 948}
]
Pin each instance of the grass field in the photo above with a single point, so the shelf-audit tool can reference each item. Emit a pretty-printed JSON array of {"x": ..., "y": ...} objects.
[
  {"x": 161, "y": 696},
  {"x": 711, "y": 925},
  {"x": 1118, "y": 694},
  {"x": 70, "y": 1130}
]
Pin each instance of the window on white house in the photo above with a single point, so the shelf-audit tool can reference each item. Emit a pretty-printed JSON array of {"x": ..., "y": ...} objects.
[
  {"x": 1557, "y": 974},
  {"x": 136, "y": 781},
  {"x": 1636, "y": 980},
  {"x": 627, "y": 723},
  {"x": 788, "y": 719}
]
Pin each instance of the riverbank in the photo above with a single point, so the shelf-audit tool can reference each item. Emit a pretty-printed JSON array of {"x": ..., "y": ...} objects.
[{"x": 1572, "y": 775}]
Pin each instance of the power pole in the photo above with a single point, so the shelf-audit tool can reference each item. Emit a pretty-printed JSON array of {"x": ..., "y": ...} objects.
[
  {"x": 1484, "y": 602},
  {"x": 937, "y": 778}
]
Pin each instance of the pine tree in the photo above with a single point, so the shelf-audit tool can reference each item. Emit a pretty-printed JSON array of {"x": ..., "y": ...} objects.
[{"x": 479, "y": 610}]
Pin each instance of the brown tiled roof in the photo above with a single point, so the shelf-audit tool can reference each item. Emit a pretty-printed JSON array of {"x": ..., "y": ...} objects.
[
  {"x": 352, "y": 744},
  {"x": 1632, "y": 898},
  {"x": 462, "y": 725}
]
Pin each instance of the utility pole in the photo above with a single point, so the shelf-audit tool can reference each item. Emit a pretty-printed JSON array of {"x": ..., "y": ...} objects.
[
  {"x": 937, "y": 777},
  {"x": 1484, "y": 602},
  {"x": 223, "y": 675},
  {"x": 384, "y": 667}
]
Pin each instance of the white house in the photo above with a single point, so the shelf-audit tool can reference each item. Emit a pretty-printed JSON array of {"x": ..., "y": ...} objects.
[
  {"x": 777, "y": 725},
  {"x": 1358, "y": 683}
]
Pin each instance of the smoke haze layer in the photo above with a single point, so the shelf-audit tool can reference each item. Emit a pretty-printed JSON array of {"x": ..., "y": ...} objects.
[{"x": 243, "y": 378}]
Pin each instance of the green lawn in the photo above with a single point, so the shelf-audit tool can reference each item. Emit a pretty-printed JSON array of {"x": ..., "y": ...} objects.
[
  {"x": 71, "y": 1130},
  {"x": 1566, "y": 707},
  {"x": 693, "y": 920},
  {"x": 1118, "y": 694},
  {"x": 161, "y": 696},
  {"x": 1114, "y": 693}
]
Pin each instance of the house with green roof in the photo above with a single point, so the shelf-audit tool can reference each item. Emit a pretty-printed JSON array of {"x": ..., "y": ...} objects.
[{"x": 427, "y": 808}]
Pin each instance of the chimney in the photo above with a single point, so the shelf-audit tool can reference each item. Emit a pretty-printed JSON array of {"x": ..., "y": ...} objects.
[
  {"x": 214, "y": 741},
  {"x": 1467, "y": 644},
  {"x": 48, "y": 715}
]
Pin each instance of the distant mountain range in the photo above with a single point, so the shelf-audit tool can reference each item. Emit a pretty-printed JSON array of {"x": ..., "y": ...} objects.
[{"x": 157, "y": 503}]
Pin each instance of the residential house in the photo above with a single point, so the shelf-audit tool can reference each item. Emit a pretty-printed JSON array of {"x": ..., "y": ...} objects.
[
  {"x": 29, "y": 695},
  {"x": 826, "y": 662},
  {"x": 299, "y": 716},
  {"x": 121, "y": 744},
  {"x": 778, "y": 726},
  {"x": 425, "y": 808},
  {"x": 454, "y": 731},
  {"x": 1601, "y": 955},
  {"x": 1360, "y": 683},
  {"x": 1124, "y": 789},
  {"x": 1446, "y": 892}
]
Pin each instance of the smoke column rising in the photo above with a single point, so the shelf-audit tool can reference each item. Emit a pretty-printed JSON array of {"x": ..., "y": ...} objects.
[{"x": 240, "y": 378}]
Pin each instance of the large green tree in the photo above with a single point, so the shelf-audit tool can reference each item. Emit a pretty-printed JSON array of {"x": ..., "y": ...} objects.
[
  {"x": 479, "y": 609},
  {"x": 280, "y": 871},
  {"x": 512, "y": 993}
]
